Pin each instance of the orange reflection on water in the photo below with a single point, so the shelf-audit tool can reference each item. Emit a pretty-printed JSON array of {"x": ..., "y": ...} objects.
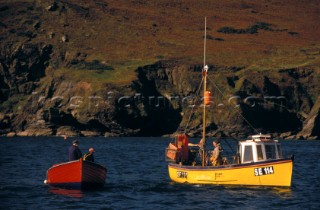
[{"x": 67, "y": 192}]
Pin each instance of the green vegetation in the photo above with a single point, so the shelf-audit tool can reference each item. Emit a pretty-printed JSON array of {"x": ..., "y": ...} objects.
[
  {"x": 93, "y": 65},
  {"x": 121, "y": 73},
  {"x": 250, "y": 30},
  {"x": 15, "y": 103},
  {"x": 293, "y": 33}
]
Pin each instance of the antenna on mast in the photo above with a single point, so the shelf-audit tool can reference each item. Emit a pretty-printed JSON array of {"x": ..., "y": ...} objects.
[
  {"x": 204, "y": 43},
  {"x": 205, "y": 67}
]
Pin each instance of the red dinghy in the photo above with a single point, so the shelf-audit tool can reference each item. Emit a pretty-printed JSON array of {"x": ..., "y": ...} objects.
[{"x": 78, "y": 174}]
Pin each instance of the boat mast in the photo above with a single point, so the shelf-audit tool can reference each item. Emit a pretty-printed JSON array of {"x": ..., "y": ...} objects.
[{"x": 204, "y": 74}]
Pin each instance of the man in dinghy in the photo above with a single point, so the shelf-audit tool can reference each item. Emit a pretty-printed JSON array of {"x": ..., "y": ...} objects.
[
  {"x": 74, "y": 151},
  {"x": 89, "y": 156}
]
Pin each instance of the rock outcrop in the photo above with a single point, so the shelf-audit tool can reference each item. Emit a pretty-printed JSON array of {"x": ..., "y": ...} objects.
[
  {"x": 311, "y": 126},
  {"x": 21, "y": 69}
]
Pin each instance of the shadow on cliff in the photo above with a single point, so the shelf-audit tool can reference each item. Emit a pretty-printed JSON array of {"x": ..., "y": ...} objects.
[{"x": 149, "y": 111}]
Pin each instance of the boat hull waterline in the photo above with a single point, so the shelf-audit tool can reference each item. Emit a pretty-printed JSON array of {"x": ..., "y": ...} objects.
[
  {"x": 77, "y": 174},
  {"x": 267, "y": 173}
]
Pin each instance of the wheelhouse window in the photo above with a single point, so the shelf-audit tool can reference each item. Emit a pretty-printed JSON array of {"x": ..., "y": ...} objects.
[
  {"x": 279, "y": 150},
  {"x": 259, "y": 152},
  {"x": 270, "y": 151},
  {"x": 248, "y": 157}
]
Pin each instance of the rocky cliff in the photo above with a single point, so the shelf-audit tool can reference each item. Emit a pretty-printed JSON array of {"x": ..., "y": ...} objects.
[
  {"x": 161, "y": 100},
  {"x": 50, "y": 84}
]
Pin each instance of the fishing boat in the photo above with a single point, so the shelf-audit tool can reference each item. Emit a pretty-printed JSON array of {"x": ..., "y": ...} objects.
[
  {"x": 78, "y": 174},
  {"x": 258, "y": 161}
]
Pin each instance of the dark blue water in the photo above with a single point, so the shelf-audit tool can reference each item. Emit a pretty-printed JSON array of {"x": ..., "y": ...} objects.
[{"x": 138, "y": 178}]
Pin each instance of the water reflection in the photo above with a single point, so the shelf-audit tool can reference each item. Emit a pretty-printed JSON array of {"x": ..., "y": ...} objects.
[
  {"x": 67, "y": 192},
  {"x": 255, "y": 191},
  {"x": 237, "y": 191},
  {"x": 284, "y": 192}
]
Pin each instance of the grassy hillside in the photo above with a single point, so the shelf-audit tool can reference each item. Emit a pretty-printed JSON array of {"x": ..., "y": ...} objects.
[{"x": 127, "y": 34}]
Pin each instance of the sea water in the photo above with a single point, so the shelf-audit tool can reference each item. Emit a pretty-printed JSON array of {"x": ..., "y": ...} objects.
[{"x": 137, "y": 178}]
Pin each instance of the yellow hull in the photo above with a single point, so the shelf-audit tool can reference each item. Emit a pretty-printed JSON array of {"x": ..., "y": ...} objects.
[{"x": 269, "y": 173}]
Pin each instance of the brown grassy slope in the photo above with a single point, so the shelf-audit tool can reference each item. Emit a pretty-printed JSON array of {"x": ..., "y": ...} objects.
[
  {"x": 126, "y": 34},
  {"x": 131, "y": 30}
]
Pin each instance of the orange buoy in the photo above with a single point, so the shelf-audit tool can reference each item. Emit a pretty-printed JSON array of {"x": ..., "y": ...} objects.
[{"x": 207, "y": 97}]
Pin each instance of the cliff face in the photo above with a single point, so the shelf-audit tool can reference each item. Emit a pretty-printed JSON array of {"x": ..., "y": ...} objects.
[
  {"x": 60, "y": 77},
  {"x": 161, "y": 100},
  {"x": 273, "y": 101}
]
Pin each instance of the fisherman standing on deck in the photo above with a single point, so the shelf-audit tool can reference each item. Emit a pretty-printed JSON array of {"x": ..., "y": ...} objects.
[
  {"x": 89, "y": 156},
  {"x": 74, "y": 151},
  {"x": 216, "y": 158},
  {"x": 201, "y": 148}
]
